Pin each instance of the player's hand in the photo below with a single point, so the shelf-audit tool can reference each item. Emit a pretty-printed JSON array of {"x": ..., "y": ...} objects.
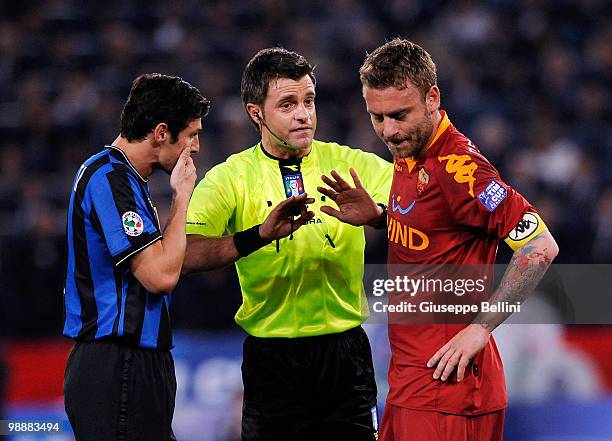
[
  {"x": 459, "y": 351},
  {"x": 356, "y": 205},
  {"x": 281, "y": 221},
  {"x": 183, "y": 176}
]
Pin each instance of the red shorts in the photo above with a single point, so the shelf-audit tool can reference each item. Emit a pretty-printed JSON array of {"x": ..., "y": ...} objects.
[{"x": 400, "y": 424}]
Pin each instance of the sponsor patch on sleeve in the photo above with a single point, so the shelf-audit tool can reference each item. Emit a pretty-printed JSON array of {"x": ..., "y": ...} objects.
[{"x": 493, "y": 195}]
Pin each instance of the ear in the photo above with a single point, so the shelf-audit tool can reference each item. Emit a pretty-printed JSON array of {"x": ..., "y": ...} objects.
[
  {"x": 432, "y": 99},
  {"x": 161, "y": 133},
  {"x": 254, "y": 112}
]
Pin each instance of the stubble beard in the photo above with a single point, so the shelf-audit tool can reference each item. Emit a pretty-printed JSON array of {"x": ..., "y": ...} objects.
[{"x": 417, "y": 141}]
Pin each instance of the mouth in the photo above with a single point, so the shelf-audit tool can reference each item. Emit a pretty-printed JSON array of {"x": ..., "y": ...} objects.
[{"x": 302, "y": 130}]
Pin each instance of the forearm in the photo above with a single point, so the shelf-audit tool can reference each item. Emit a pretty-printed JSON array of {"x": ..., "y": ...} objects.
[
  {"x": 174, "y": 242},
  {"x": 525, "y": 270},
  {"x": 208, "y": 253}
]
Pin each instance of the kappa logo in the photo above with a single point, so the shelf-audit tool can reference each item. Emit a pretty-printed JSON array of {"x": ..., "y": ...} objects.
[
  {"x": 132, "y": 223},
  {"x": 527, "y": 225},
  {"x": 463, "y": 167},
  {"x": 398, "y": 208}
]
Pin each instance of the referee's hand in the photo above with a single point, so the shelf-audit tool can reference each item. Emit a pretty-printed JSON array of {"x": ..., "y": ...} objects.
[{"x": 281, "y": 221}]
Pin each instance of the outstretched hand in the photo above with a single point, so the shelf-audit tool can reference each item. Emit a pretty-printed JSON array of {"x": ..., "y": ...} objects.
[
  {"x": 356, "y": 205},
  {"x": 281, "y": 221}
]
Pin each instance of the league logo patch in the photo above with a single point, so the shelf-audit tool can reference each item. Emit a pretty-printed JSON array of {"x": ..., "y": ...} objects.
[
  {"x": 132, "y": 223},
  {"x": 422, "y": 182},
  {"x": 493, "y": 195}
]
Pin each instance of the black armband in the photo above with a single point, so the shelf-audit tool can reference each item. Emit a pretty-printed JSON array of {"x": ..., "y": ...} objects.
[
  {"x": 382, "y": 223},
  {"x": 249, "y": 241}
]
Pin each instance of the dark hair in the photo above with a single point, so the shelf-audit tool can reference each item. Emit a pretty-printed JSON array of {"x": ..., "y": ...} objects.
[
  {"x": 396, "y": 64},
  {"x": 156, "y": 98},
  {"x": 267, "y": 65}
]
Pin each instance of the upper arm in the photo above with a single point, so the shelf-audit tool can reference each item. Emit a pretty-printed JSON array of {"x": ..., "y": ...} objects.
[
  {"x": 531, "y": 235},
  {"x": 375, "y": 173},
  {"x": 122, "y": 215},
  {"x": 477, "y": 196},
  {"x": 212, "y": 204}
]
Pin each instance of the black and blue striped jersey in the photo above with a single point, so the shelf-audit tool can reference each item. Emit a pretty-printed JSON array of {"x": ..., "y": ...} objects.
[{"x": 111, "y": 218}]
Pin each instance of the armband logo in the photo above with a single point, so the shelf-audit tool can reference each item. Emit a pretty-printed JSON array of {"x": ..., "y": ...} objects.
[
  {"x": 463, "y": 167},
  {"x": 132, "y": 223},
  {"x": 526, "y": 226},
  {"x": 493, "y": 195}
]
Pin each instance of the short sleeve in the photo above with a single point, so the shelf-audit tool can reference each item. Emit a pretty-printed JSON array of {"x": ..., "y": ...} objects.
[
  {"x": 477, "y": 196},
  {"x": 123, "y": 214},
  {"x": 212, "y": 204},
  {"x": 375, "y": 173}
]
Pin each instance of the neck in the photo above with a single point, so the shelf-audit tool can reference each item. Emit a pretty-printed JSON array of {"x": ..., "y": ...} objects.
[
  {"x": 436, "y": 119},
  {"x": 140, "y": 155},
  {"x": 274, "y": 148}
]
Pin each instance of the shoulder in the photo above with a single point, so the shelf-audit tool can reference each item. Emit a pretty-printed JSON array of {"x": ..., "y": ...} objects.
[
  {"x": 340, "y": 152},
  {"x": 456, "y": 143}
]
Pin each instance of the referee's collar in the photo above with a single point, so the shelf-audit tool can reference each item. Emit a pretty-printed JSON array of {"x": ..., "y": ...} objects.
[
  {"x": 271, "y": 156},
  {"x": 121, "y": 156}
]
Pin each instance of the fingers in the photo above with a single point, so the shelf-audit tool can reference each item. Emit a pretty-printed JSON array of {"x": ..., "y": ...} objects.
[
  {"x": 331, "y": 183},
  {"x": 463, "y": 363},
  {"x": 437, "y": 356},
  {"x": 441, "y": 368},
  {"x": 450, "y": 366},
  {"x": 304, "y": 218},
  {"x": 327, "y": 192},
  {"x": 331, "y": 212},
  {"x": 340, "y": 181},
  {"x": 355, "y": 177}
]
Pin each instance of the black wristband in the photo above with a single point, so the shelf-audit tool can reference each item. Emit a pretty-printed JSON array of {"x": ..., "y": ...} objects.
[
  {"x": 249, "y": 241},
  {"x": 382, "y": 223}
]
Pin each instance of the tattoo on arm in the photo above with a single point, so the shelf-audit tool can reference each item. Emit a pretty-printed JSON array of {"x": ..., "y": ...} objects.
[{"x": 526, "y": 269}]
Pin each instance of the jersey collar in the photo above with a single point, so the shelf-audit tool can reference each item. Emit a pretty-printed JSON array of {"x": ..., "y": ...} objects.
[
  {"x": 120, "y": 155},
  {"x": 442, "y": 126}
]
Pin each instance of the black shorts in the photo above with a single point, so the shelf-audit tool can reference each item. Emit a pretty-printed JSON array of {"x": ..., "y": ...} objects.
[
  {"x": 309, "y": 388},
  {"x": 112, "y": 392}
]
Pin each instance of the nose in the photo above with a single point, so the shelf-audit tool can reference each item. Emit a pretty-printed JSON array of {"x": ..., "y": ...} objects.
[
  {"x": 389, "y": 128},
  {"x": 301, "y": 113},
  {"x": 195, "y": 145}
]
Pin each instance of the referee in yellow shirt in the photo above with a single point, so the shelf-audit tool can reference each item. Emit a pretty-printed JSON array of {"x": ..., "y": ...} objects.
[{"x": 307, "y": 364}]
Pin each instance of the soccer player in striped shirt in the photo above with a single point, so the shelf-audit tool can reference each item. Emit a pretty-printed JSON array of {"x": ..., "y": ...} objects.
[{"x": 121, "y": 269}]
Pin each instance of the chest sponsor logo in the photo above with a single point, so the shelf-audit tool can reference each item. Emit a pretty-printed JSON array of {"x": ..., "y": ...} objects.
[
  {"x": 422, "y": 181},
  {"x": 132, "y": 223},
  {"x": 463, "y": 168},
  {"x": 396, "y": 207},
  {"x": 406, "y": 236},
  {"x": 493, "y": 195},
  {"x": 528, "y": 224}
]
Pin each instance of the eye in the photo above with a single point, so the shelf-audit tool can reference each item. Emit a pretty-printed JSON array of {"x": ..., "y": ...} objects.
[
  {"x": 377, "y": 118},
  {"x": 286, "y": 105},
  {"x": 309, "y": 101}
]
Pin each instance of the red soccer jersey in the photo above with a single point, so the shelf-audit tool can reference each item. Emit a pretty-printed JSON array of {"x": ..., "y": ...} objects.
[{"x": 449, "y": 207}]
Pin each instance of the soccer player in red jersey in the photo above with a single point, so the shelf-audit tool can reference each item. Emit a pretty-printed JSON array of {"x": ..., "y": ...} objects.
[{"x": 448, "y": 205}]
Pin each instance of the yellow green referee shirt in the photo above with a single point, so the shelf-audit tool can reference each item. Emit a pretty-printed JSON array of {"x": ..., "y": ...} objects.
[{"x": 307, "y": 286}]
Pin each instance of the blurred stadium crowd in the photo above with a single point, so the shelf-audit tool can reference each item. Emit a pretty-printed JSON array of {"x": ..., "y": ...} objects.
[{"x": 528, "y": 81}]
